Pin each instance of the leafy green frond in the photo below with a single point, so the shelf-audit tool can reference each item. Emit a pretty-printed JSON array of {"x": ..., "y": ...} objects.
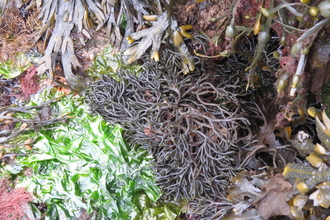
[
  {"x": 13, "y": 68},
  {"x": 109, "y": 62},
  {"x": 85, "y": 165}
]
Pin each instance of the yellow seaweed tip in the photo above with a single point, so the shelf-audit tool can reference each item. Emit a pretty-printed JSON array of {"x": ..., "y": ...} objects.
[
  {"x": 318, "y": 148},
  {"x": 257, "y": 26},
  {"x": 186, "y": 27},
  {"x": 295, "y": 81},
  {"x": 178, "y": 39},
  {"x": 312, "y": 111},
  {"x": 286, "y": 171},
  {"x": 155, "y": 56},
  {"x": 191, "y": 66},
  {"x": 302, "y": 187},
  {"x": 314, "y": 160},
  {"x": 266, "y": 12},
  {"x": 288, "y": 132},
  {"x": 183, "y": 30},
  {"x": 130, "y": 39},
  {"x": 150, "y": 17},
  {"x": 306, "y": 2}
]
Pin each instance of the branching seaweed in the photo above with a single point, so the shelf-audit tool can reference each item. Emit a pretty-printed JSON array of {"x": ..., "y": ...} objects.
[
  {"x": 193, "y": 125},
  {"x": 151, "y": 36}
]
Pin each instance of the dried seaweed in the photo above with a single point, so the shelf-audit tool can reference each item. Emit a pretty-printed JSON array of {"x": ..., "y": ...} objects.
[
  {"x": 267, "y": 193},
  {"x": 16, "y": 32},
  {"x": 62, "y": 18},
  {"x": 151, "y": 36},
  {"x": 163, "y": 28}
]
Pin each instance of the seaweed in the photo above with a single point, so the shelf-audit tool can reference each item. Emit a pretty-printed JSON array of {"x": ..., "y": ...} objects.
[
  {"x": 17, "y": 141},
  {"x": 151, "y": 36},
  {"x": 316, "y": 174},
  {"x": 84, "y": 169},
  {"x": 193, "y": 125},
  {"x": 163, "y": 28},
  {"x": 60, "y": 19},
  {"x": 13, "y": 201}
]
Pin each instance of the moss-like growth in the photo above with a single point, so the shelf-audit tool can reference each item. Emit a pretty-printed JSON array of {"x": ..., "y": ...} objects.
[{"x": 325, "y": 95}]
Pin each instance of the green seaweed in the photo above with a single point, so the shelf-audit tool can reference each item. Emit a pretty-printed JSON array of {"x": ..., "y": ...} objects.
[
  {"x": 109, "y": 62},
  {"x": 13, "y": 68},
  {"x": 85, "y": 165}
]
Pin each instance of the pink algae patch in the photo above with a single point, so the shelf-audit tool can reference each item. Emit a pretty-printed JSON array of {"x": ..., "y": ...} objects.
[{"x": 29, "y": 82}]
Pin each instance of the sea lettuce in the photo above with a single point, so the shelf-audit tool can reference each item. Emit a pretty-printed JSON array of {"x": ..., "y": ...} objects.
[{"x": 86, "y": 170}]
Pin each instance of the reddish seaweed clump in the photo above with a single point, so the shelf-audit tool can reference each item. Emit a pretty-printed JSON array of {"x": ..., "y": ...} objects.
[
  {"x": 29, "y": 82},
  {"x": 12, "y": 200}
]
